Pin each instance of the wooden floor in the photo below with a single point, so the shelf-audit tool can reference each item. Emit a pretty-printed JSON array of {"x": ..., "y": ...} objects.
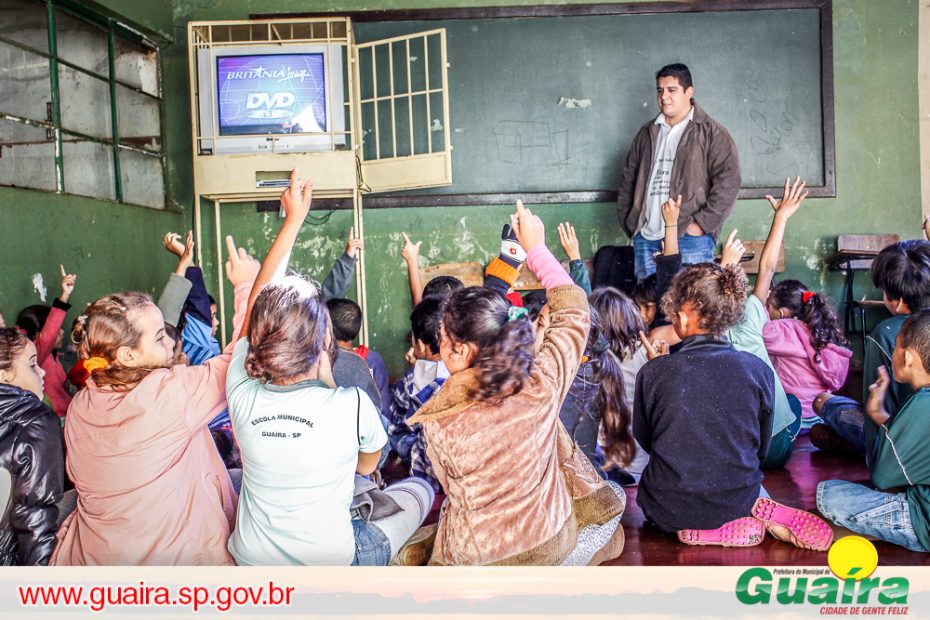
[{"x": 796, "y": 485}]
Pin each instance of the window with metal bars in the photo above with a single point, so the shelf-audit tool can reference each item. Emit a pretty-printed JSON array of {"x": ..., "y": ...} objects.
[{"x": 80, "y": 104}]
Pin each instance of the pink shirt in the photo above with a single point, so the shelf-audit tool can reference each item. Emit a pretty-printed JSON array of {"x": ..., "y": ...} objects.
[
  {"x": 788, "y": 342},
  {"x": 152, "y": 488}
]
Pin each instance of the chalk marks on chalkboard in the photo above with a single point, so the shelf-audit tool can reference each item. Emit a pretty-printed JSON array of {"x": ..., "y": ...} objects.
[
  {"x": 774, "y": 129},
  {"x": 530, "y": 142}
]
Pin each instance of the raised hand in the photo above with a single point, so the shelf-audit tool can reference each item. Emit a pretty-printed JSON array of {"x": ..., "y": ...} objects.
[
  {"x": 67, "y": 284},
  {"x": 528, "y": 228},
  {"x": 654, "y": 349},
  {"x": 296, "y": 199},
  {"x": 792, "y": 198},
  {"x": 240, "y": 267},
  {"x": 733, "y": 251},
  {"x": 569, "y": 241},
  {"x": 875, "y": 405},
  {"x": 926, "y": 227},
  {"x": 670, "y": 210},
  {"x": 172, "y": 243},
  {"x": 354, "y": 244},
  {"x": 411, "y": 251}
]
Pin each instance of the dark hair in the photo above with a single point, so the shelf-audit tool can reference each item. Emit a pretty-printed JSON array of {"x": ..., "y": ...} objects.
[
  {"x": 717, "y": 294},
  {"x": 534, "y": 301},
  {"x": 818, "y": 313},
  {"x": 109, "y": 325},
  {"x": 346, "y": 316},
  {"x": 620, "y": 320},
  {"x": 902, "y": 271},
  {"x": 611, "y": 394},
  {"x": 426, "y": 321},
  {"x": 915, "y": 334},
  {"x": 12, "y": 343},
  {"x": 287, "y": 330},
  {"x": 646, "y": 291},
  {"x": 32, "y": 319},
  {"x": 504, "y": 359},
  {"x": 676, "y": 70},
  {"x": 442, "y": 286}
]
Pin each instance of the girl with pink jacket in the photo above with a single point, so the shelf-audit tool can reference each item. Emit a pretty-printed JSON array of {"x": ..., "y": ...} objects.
[
  {"x": 152, "y": 488},
  {"x": 805, "y": 343}
]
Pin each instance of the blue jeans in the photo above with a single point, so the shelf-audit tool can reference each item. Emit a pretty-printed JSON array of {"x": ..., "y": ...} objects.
[
  {"x": 693, "y": 249},
  {"x": 866, "y": 511},
  {"x": 846, "y": 418},
  {"x": 372, "y": 547}
]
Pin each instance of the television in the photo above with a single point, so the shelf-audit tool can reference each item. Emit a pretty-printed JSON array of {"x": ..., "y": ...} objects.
[{"x": 271, "y": 98}]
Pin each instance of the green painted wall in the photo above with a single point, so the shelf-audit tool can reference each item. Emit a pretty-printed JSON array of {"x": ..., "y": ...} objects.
[
  {"x": 878, "y": 183},
  {"x": 110, "y": 246}
]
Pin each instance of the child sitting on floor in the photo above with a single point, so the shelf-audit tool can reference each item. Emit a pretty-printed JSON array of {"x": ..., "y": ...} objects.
[
  {"x": 902, "y": 272},
  {"x": 42, "y": 325},
  {"x": 597, "y": 395},
  {"x": 805, "y": 343},
  {"x": 417, "y": 386},
  {"x": 151, "y": 486},
  {"x": 646, "y": 297},
  {"x": 517, "y": 490},
  {"x": 346, "y": 316},
  {"x": 899, "y": 512},
  {"x": 30, "y": 450},
  {"x": 302, "y": 439},
  {"x": 704, "y": 415}
]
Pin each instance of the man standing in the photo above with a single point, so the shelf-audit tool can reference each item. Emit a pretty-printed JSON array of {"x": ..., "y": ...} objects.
[{"x": 683, "y": 153}]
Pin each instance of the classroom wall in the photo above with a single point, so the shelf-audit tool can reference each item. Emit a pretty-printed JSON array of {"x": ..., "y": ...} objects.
[
  {"x": 878, "y": 179},
  {"x": 110, "y": 246}
]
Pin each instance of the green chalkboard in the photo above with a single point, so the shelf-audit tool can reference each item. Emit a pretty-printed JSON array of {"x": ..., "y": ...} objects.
[{"x": 551, "y": 104}]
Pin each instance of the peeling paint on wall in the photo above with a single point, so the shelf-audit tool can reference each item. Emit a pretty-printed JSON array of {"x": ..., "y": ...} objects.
[
  {"x": 39, "y": 285},
  {"x": 571, "y": 104}
]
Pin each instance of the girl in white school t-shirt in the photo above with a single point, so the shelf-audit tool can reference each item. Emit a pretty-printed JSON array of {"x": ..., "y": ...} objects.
[{"x": 302, "y": 440}]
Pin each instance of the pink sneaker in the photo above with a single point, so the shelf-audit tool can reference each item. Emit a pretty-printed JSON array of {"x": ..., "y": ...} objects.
[
  {"x": 742, "y": 532},
  {"x": 798, "y": 527}
]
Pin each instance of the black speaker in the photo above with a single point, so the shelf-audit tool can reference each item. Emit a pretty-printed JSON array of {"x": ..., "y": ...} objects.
[{"x": 613, "y": 266}]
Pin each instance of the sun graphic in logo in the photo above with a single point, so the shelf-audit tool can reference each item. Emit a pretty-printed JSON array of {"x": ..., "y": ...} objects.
[{"x": 852, "y": 557}]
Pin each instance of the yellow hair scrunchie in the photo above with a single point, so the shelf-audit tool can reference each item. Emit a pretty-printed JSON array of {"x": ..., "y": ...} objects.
[{"x": 95, "y": 363}]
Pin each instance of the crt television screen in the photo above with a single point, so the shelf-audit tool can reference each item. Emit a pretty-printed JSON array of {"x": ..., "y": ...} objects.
[{"x": 271, "y": 93}]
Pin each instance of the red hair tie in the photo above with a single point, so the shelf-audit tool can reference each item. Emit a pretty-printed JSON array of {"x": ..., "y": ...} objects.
[{"x": 806, "y": 296}]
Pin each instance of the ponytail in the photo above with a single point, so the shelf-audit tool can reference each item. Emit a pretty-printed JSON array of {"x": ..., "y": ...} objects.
[
  {"x": 505, "y": 347},
  {"x": 611, "y": 395},
  {"x": 814, "y": 310}
]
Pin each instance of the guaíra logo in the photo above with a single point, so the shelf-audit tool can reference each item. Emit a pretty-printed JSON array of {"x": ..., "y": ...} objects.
[{"x": 852, "y": 561}]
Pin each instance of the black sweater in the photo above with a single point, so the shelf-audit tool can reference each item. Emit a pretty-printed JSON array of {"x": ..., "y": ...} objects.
[{"x": 704, "y": 415}]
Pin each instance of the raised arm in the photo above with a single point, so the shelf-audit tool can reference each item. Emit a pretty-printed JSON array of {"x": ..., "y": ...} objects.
[
  {"x": 670, "y": 211},
  {"x": 296, "y": 203},
  {"x": 45, "y": 339},
  {"x": 411, "y": 254},
  {"x": 177, "y": 288},
  {"x": 340, "y": 276},
  {"x": 786, "y": 207},
  {"x": 565, "y": 336},
  {"x": 576, "y": 268}
]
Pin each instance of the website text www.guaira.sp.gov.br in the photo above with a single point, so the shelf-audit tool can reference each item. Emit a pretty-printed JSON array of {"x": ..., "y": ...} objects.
[{"x": 103, "y": 597}]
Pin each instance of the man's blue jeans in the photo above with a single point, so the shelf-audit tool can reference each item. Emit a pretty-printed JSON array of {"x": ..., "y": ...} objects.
[
  {"x": 847, "y": 418},
  {"x": 866, "y": 511},
  {"x": 693, "y": 249}
]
